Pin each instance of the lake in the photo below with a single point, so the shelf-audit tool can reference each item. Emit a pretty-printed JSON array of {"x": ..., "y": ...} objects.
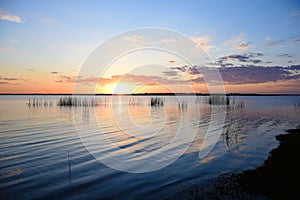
[{"x": 121, "y": 147}]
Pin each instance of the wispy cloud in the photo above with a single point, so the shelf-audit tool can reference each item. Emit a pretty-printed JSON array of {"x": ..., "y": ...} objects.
[
  {"x": 136, "y": 39},
  {"x": 243, "y": 45},
  {"x": 294, "y": 41},
  {"x": 267, "y": 38},
  {"x": 295, "y": 13},
  {"x": 203, "y": 42},
  {"x": 170, "y": 73},
  {"x": 272, "y": 43},
  {"x": 8, "y": 17},
  {"x": 3, "y": 82},
  {"x": 282, "y": 42},
  {"x": 235, "y": 40},
  {"x": 3, "y": 49},
  {"x": 285, "y": 55},
  {"x": 8, "y": 78},
  {"x": 238, "y": 42},
  {"x": 14, "y": 40}
]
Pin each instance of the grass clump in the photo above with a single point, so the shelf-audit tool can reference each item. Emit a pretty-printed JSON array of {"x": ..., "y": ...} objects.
[
  {"x": 157, "y": 101},
  {"x": 225, "y": 100},
  {"x": 38, "y": 102},
  {"x": 219, "y": 100},
  {"x": 67, "y": 101},
  {"x": 85, "y": 101},
  {"x": 135, "y": 102}
]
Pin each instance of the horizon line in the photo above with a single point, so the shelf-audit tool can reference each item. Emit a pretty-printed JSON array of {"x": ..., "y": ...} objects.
[{"x": 163, "y": 94}]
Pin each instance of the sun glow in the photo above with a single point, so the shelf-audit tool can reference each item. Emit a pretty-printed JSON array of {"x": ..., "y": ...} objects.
[{"x": 116, "y": 88}]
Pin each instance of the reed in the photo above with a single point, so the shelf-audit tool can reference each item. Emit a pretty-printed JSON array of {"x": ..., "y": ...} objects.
[
  {"x": 38, "y": 102},
  {"x": 67, "y": 101},
  {"x": 297, "y": 103},
  {"x": 81, "y": 101},
  {"x": 219, "y": 100},
  {"x": 69, "y": 164},
  {"x": 157, "y": 101},
  {"x": 224, "y": 100},
  {"x": 182, "y": 104},
  {"x": 198, "y": 100},
  {"x": 135, "y": 102}
]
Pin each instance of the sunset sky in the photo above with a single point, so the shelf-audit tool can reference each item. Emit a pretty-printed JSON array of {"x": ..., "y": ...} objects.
[{"x": 254, "y": 44}]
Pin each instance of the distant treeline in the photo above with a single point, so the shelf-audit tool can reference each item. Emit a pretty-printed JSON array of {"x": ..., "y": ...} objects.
[{"x": 157, "y": 94}]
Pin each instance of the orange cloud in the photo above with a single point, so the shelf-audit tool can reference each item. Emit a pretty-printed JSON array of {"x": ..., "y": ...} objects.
[{"x": 203, "y": 42}]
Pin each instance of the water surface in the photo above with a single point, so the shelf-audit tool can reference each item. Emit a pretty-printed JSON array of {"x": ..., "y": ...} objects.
[{"x": 42, "y": 154}]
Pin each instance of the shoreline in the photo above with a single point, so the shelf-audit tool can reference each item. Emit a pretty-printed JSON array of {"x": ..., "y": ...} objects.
[{"x": 277, "y": 178}]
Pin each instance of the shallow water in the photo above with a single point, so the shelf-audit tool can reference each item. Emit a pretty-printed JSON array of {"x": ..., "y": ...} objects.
[{"x": 56, "y": 152}]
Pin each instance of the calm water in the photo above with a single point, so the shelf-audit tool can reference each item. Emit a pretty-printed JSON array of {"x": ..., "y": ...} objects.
[{"x": 44, "y": 154}]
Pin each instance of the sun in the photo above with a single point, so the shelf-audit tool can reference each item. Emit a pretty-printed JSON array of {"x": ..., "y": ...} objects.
[{"x": 116, "y": 88}]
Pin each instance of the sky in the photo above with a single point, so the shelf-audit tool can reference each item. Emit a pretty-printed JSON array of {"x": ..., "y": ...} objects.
[{"x": 44, "y": 45}]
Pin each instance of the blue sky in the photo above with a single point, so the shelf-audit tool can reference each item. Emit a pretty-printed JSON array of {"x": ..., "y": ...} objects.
[{"x": 44, "y": 36}]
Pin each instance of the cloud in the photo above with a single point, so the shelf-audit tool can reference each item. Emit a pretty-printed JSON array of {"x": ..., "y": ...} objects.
[
  {"x": 283, "y": 42},
  {"x": 8, "y": 78},
  {"x": 14, "y": 40},
  {"x": 267, "y": 38},
  {"x": 147, "y": 80},
  {"x": 285, "y": 55},
  {"x": 295, "y": 13},
  {"x": 294, "y": 41},
  {"x": 66, "y": 79},
  {"x": 243, "y": 45},
  {"x": 31, "y": 69},
  {"x": 136, "y": 39},
  {"x": 243, "y": 58},
  {"x": 238, "y": 42},
  {"x": 7, "y": 17},
  {"x": 195, "y": 70},
  {"x": 54, "y": 72},
  {"x": 241, "y": 74},
  {"x": 272, "y": 43},
  {"x": 182, "y": 69},
  {"x": 202, "y": 42},
  {"x": 126, "y": 78},
  {"x": 3, "y": 82},
  {"x": 253, "y": 74},
  {"x": 249, "y": 74},
  {"x": 170, "y": 73},
  {"x": 234, "y": 40},
  {"x": 168, "y": 41},
  {"x": 3, "y": 49}
]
